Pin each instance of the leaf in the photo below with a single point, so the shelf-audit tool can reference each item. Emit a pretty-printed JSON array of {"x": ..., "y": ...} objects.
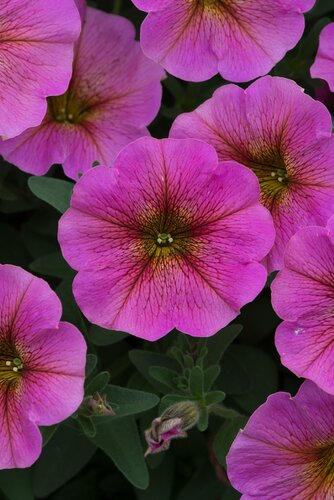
[
  {"x": 129, "y": 402},
  {"x": 233, "y": 378},
  {"x": 164, "y": 375},
  {"x": 218, "y": 344},
  {"x": 55, "y": 192},
  {"x": 71, "y": 311},
  {"x": 52, "y": 264},
  {"x": 65, "y": 455},
  {"x": 171, "y": 399},
  {"x": 262, "y": 374},
  {"x": 98, "y": 383},
  {"x": 119, "y": 439},
  {"x": 214, "y": 397},
  {"x": 91, "y": 362},
  {"x": 161, "y": 482},
  {"x": 196, "y": 382},
  {"x": 87, "y": 425},
  {"x": 48, "y": 433},
  {"x": 203, "y": 484},
  {"x": 12, "y": 249},
  {"x": 210, "y": 376},
  {"x": 100, "y": 336},
  {"x": 142, "y": 360},
  {"x": 16, "y": 484},
  {"x": 203, "y": 420},
  {"x": 225, "y": 437}
]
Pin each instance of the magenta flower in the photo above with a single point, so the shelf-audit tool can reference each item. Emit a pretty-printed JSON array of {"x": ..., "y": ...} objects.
[
  {"x": 42, "y": 363},
  {"x": 303, "y": 295},
  {"x": 285, "y": 137},
  {"x": 166, "y": 239},
  {"x": 36, "y": 55},
  {"x": 115, "y": 92},
  {"x": 286, "y": 450},
  {"x": 323, "y": 66},
  {"x": 194, "y": 39}
]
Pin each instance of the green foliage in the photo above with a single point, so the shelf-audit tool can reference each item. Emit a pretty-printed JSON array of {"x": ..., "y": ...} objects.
[{"x": 55, "y": 192}]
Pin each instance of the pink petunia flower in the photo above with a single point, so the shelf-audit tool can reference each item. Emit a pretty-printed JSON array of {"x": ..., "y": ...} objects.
[
  {"x": 36, "y": 55},
  {"x": 323, "y": 66},
  {"x": 115, "y": 92},
  {"x": 195, "y": 39},
  {"x": 42, "y": 364},
  {"x": 303, "y": 295},
  {"x": 286, "y": 450},
  {"x": 166, "y": 239},
  {"x": 285, "y": 137}
]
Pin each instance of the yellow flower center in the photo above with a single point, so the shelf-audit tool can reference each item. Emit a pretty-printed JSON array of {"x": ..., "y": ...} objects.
[
  {"x": 67, "y": 108},
  {"x": 11, "y": 364}
]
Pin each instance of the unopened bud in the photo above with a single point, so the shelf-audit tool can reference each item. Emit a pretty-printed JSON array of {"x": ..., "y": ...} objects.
[
  {"x": 172, "y": 424},
  {"x": 98, "y": 406}
]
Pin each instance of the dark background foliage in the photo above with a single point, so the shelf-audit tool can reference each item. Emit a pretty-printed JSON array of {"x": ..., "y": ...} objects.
[{"x": 102, "y": 458}]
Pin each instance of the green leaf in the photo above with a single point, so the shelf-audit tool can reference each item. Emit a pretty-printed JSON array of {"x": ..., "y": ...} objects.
[
  {"x": 98, "y": 383},
  {"x": 233, "y": 378},
  {"x": 214, "y": 397},
  {"x": 143, "y": 360},
  {"x": 87, "y": 425},
  {"x": 161, "y": 482},
  {"x": 71, "y": 311},
  {"x": 52, "y": 264},
  {"x": 218, "y": 344},
  {"x": 210, "y": 375},
  {"x": 171, "y": 399},
  {"x": 16, "y": 484},
  {"x": 262, "y": 374},
  {"x": 91, "y": 362},
  {"x": 225, "y": 437},
  {"x": 119, "y": 439},
  {"x": 164, "y": 375},
  {"x": 65, "y": 455},
  {"x": 100, "y": 336},
  {"x": 196, "y": 382},
  {"x": 203, "y": 420},
  {"x": 48, "y": 433},
  {"x": 129, "y": 402},
  {"x": 55, "y": 192}
]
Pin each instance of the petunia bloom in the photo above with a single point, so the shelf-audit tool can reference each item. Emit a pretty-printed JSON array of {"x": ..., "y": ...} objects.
[
  {"x": 303, "y": 295},
  {"x": 287, "y": 448},
  {"x": 36, "y": 55},
  {"x": 166, "y": 239},
  {"x": 195, "y": 39},
  {"x": 285, "y": 137},
  {"x": 42, "y": 365},
  {"x": 323, "y": 66},
  {"x": 115, "y": 92}
]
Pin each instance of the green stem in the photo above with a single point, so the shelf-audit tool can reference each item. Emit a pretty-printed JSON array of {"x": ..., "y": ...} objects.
[{"x": 221, "y": 411}]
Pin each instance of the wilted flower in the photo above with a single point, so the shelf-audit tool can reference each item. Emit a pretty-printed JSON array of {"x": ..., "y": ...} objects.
[
  {"x": 303, "y": 295},
  {"x": 166, "y": 239},
  {"x": 285, "y": 137},
  {"x": 172, "y": 424},
  {"x": 115, "y": 92},
  {"x": 195, "y": 39},
  {"x": 323, "y": 66},
  {"x": 36, "y": 55},
  {"x": 42, "y": 365},
  {"x": 287, "y": 448},
  {"x": 97, "y": 405}
]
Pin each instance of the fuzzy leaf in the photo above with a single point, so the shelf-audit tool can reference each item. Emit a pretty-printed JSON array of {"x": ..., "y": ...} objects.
[{"x": 55, "y": 192}]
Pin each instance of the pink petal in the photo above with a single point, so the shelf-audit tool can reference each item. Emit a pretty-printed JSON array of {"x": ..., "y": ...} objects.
[
  {"x": 20, "y": 439},
  {"x": 54, "y": 373},
  {"x": 27, "y": 304},
  {"x": 36, "y": 59},
  {"x": 323, "y": 66}
]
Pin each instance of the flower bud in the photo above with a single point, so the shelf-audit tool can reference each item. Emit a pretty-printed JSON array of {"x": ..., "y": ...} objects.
[
  {"x": 172, "y": 424},
  {"x": 98, "y": 406}
]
